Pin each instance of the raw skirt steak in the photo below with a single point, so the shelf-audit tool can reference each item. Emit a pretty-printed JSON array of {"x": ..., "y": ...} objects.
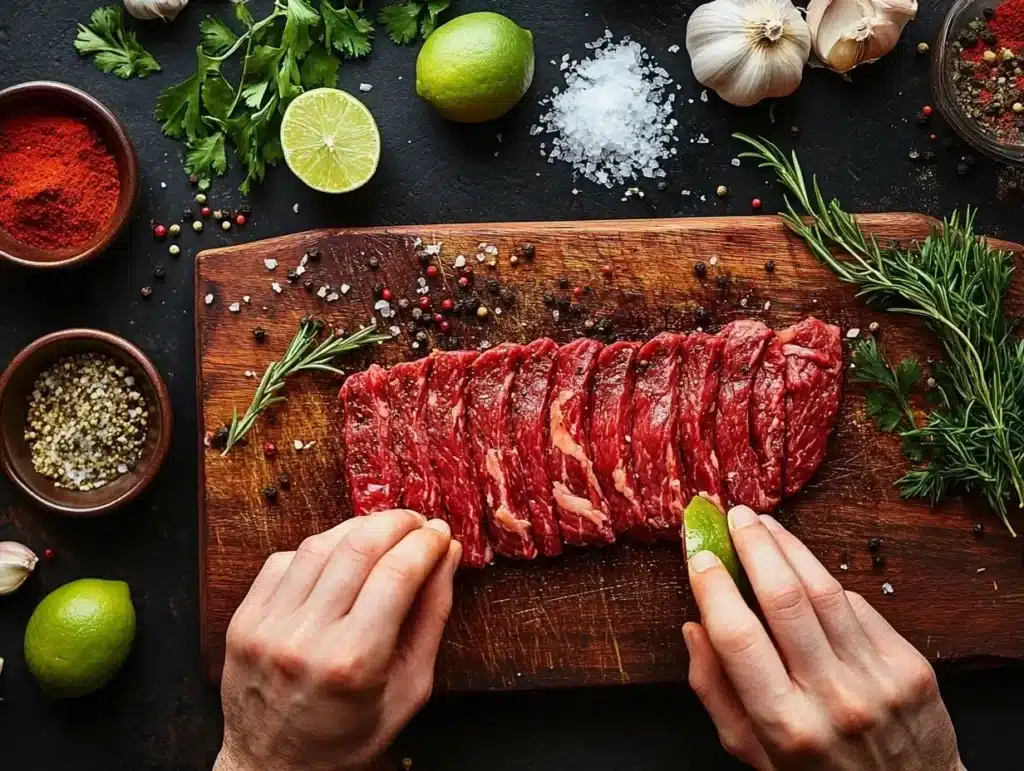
[
  {"x": 742, "y": 353},
  {"x": 656, "y": 460},
  {"x": 583, "y": 515},
  {"x": 611, "y": 421},
  {"x": 530, "y": 423},
  {"x": 451, "y": 455},
  {"x": 498, "y": 472},
  {"x": 814, "y": 378},
  {"x": 407, "y": 385},
  {"x": 698, "y": 391},
  {"x": 769, "y": 423},
  {"x": 371, "y": 467}
]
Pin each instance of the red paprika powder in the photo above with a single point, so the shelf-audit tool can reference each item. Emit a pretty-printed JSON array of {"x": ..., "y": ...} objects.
[{"x": 59, "y": 181}]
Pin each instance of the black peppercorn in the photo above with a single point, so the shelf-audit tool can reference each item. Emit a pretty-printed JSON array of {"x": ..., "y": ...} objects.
[
  {"x": 421, "y": 336},
  {"x": 927, "y": 156},
  {"x": 700, "y": 270},
  {"x": 259, "y": 333},
  {"x": 449, "y": 343},
  {"x": 246, "y": 211},
  {"x": 969, "y": 159},
  {"x": 417, "y": 313},
  {"x": 193, "y": 179},
  {"x": 921, "y": 119},
  {"x": 528, "y": 250},
  {"x": 220, "y": 438},
  {"x": 604, "y": 326},
  {"x": 988, "y": 36},
  {"x": 187, "y": 214},
  {"x": 562, "y": 303},
  {"x": 403, "y": 303},
  {"x": 308, "y": 285},
  {"x": 373, "y": 263},
  {"x": 988, "y": 12},
  {"x": 563, "y": 283},
  {"x": 270, "y": 493},
  {"x": 293, "y": 276},
  {"x": 701, "y": 317},
  {"x": 492, "y": 285},
  {"x": 410, "y": 327},
  {"x": 979, "y": 529},
  {"x": 284, "y": 481},
  {"x": 147, "y": 292},
  {"x": 874, "y": 544},
  {"x": 663, "y": 186},
  {"x": 159, "y": 273},
  {"x": 769, "y": 267},
  {"x": 722, "y": 281},
  {"x": 378, "y": 290},
  {"x": 313, "y": 254},
  {"x": 507, "y": 296}
]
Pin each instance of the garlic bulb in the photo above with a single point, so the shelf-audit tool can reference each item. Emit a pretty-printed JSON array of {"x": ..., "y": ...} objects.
[
  {"x": 847, "y": 33},
  {"x": 16, "y": 564},
  {"x": 748, "y": 50},
  {"x": 147, "y": 10}
]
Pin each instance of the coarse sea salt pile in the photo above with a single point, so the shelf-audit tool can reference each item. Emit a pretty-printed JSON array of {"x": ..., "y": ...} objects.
[{"x": 613, "y": 120}]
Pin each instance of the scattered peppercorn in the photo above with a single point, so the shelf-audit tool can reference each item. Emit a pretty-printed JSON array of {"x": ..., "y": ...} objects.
[
  {"x": 963, "y": 169},
  {"x": 979, "y": 529},
  {"x": 492, "y": 285},
  {"x": 308, "y": 285},
  {"x": 549, "y": 299},
  {"x": 431, "y": 271},
  {"x": 482, "y": 311},
  {"x": 424, "y": 302},
  {"x": 240, "y": 220},
  {"x": 313, "y": 254},
  {"x": 528, "y": 250},
  {"x": 219, "y": 439},
  {"x": 205, "y": 211},
  {"x": 159, "y": 231},
  {"x": 444, "y": 326},
  {"x": 417, "y": 314},
  {"x": 174, "y": 250},
  {"x": 159, "y": 273},
  {"x": 403, "y": 303},
  {"x": 926, "y": 110},
  {"x": 270, "y": 493},
  {"x": 385, "y": 294},
  {"x": 174, "y": 230},
  {"x": 292, "y": 276},
  {"x": 700, "y": 270},
  {"x": 577, "y": 292},
  {"x": 877, "y": 561},
  {"x": 722, "y": 281},
  {"x": 447, "y": 304},
  {"x": 874, "y": 544},
  {"x": 794, "y": 131},
  {"x": 923, "y": 48},
  {"x": 225, "y": 225},
  {"x": 259, "y": 333},
  {"x": 438, "y": 318},
  {"x": 721, "y": 191},
  {"x": 769, "y": 267},
  {"x": 755, "y": 204},
  {"x": 921, "y": 118},
  {"x": 147, "y": 292},
  {"x": 424, "y": 258},
  {"x": 373, "y": 263},
  {"x": 269, "y": 450},
  {"x": 49, "y": 554},
  {"x": 463, "y": 281},
  {"x": 197, "y": 226}
]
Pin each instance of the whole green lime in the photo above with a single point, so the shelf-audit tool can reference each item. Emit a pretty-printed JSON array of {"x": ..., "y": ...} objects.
[
  {"x": 79, "y": 636},
  {"x": 706, "y": 528},
  {"x": 476, "y": 67}
]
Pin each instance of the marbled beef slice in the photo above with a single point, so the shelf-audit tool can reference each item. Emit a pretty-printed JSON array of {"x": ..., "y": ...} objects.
[
  {"x": 768, "y": 410},
  {"x": 583, "y": 515},
  {"x": 698, "y": 391},
  {"x": 371, "y": 466},
  {"x": 407, "y": 389},
  {"x": 451, "y": 456},
  {"x": 498, "y": 471}
]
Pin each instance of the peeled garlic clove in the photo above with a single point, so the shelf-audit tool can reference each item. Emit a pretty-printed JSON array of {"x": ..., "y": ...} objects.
[
  {"x": 16, "y": 564},
  {"x": 848, "y": 33}
]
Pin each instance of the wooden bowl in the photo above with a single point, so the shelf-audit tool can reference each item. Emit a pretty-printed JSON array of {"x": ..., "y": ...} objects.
[
  {"x": 16, "y": 385},
  {"x": 46, "y": 93}
]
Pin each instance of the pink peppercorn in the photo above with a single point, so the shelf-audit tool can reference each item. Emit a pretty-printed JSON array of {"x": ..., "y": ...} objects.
[
  {"x": 269, "y": 450},
  {"x": 756, "y": 203},
  {"x": 240, "y": 220},
  {"x": 159, "y": 231},
  {"x": 447, "y": 304},
  {"x": 424, "y": 302},
  {"x": 49, "y": 554},
  {"x": 445, "y": 326},
  {"x": 577, "y": 292},
  {"x": 438, "y": 318},
  {"x": 926, "y": 110},
  {"x": 431, "y": 271},
  {"x": 205, "y": 211},
  {"x": 386, "y": 294},
  {"x": 463, "y": 281}
]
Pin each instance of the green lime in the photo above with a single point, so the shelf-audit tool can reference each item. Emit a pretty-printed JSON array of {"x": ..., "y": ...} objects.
[
  {"x": 707, "y": 529},
  {"x": 330, "y": 140},
  {"x": 476, "y": 67},
  {"x": 79, "y": 636}
]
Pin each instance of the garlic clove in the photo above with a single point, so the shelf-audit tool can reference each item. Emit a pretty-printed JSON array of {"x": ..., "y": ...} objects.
[
  {"x": 16, "y": 564},
  {"x": 848, "y": 33}
]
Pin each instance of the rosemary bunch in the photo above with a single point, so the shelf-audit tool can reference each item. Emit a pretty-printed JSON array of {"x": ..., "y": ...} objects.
[
  {"x": 306, "y": 352},
  {"x": 973, "y": 438}
]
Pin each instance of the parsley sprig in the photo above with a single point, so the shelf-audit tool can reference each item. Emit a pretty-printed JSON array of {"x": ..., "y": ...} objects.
[
  {"x": 888, "y": 402},
  {"x": 403, "y": 19},
  {"x": 973, "y": 439},
  {"x": 113, "y": 48},
  {"x": 293, "y": 49},
  {"x": 306, "y": 353}
]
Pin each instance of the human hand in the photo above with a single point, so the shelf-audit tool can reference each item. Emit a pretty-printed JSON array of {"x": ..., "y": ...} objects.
[
  {"x": 333, "y": 650},
  {"x": 838, "y": 689}
]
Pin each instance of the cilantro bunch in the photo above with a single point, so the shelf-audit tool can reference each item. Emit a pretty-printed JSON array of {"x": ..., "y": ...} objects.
[
  {"x": 113, "y": 48},
  {"x": 403, "y": 19},
  {"x": 297, "y": 47}
]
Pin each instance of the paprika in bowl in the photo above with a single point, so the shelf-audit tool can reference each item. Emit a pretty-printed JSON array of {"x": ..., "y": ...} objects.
[{"x": 68, "y": 175}]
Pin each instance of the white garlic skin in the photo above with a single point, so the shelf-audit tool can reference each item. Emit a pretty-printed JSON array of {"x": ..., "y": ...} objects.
[
  {"x": 16, "y": 564},
  {"x": 148, "y": 10},
  {"x": 748, "y": 50},
  {"x": 848, "y": 33}
]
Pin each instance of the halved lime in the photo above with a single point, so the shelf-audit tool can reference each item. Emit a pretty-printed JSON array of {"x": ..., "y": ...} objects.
[
  {"x": 330, "y": 140},
  {"x": 706, "y": 528}
]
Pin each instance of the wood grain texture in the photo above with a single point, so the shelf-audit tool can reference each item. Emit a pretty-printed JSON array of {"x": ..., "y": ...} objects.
[{"x": 599, "y": 616}]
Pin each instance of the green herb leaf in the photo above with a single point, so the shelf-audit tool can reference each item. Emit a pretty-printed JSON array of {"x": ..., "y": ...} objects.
[
  {"x": 347, "y": 30},
  {"x": 319, "y": 68},
  {"x": 429, "y": 22},
  {"x": 115, "y": 50},
  {"x": 242, "y": 13},
  {"x": 180, "y": 106},
  {"x": 217, "y": 36},
  {"x": 401, "y": 20},
  {"x": 300, "y": 20},
  {"x": 253, "y": 94},
  {"x": 218, "y": 97},
  {"x": 206, "y": 156}
]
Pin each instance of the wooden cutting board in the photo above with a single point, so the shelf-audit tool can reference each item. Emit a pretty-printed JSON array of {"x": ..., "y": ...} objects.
[{"x": 602, "y": 616}]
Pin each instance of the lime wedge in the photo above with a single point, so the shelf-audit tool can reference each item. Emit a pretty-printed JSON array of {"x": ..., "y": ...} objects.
[
  {"x": 707, "y": 529},
  {"x": 330, "y": 140}
]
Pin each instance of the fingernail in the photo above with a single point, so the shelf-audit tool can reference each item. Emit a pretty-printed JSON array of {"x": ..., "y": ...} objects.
[
  {"x": 416, "y": 514},
  {"x": 686, "y": 637},
  {"x": 455, "y": 557},
  {"x": 771, "y": 523},
  {"x": 741, "y": 517},
  {"x": 703, "y": 560},
  {"x": 440, "y": 526}
]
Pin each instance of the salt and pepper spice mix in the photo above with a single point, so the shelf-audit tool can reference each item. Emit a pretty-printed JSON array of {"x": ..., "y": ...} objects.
[
  {"x": 988, "y": 71},
  {"x": 87, "y": 422}
]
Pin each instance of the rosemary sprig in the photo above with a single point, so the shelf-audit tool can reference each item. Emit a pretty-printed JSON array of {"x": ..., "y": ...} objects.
[
  {"x": 306, "y": 352},
  {"x": 974, "y": 437}
]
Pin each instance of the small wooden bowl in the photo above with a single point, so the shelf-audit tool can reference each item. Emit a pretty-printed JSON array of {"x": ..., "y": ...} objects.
[
  {"x": 46, "y": 93},
  {"x": 16, "y": 385}
]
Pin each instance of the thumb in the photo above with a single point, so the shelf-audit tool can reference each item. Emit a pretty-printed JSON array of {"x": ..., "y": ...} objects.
[{"x": 425, "y": 625}]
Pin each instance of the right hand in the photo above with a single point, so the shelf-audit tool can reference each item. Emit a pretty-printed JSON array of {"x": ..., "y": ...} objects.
[
  {"x": 833, "y": 688},
  {"x": 333, "y": 650}
]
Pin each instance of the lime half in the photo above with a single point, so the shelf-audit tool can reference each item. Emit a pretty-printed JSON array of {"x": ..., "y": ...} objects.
[
  {"x": 330, "y": 140},
  {"x": 707, "y": 529}
]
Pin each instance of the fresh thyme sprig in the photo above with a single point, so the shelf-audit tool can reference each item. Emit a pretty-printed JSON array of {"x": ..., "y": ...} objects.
[
  {"x": 305, "y": 353},
  {"x": 974, "y": 437}
]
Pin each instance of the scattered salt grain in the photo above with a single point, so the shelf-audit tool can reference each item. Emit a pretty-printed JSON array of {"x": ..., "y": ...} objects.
[
  {"x": 345, "y": 288},
  {"x": 980, "y": 570},
  {"x": 249, "y": 373},
  {"x": 613, "y": 120},
  {"x": 735, "y": 161},
  {"x": 295, "y": 208},
  {"x": 887, "y": 588},
  {"x": 767, "y": 305},
  {"x": 852, "y": 333},
  {"x": 743, "y": 302},
  {"x": 395, "y": 331},
  {"x": 322, "y": 291},
  {"x": 246, "y": 299},
  {"x": 673, "y": 49},
  {"x": 460, "y": 261},
  {"x": 234, "y": 307},
  {"x": 297, "y": 444},
  {"x": 365, "y": 87},
  {"x": 270, "y": 262},
  {"x": 714, "y": 260},
  {"x": 208, "y": 299},
  {"x": 332, "y": 297},
  {"x": 276, "y": 287},
  {"x": 873, "y": 326},
  {"x": 704, "y": 95},
  {"x": 702, "y": 140}
]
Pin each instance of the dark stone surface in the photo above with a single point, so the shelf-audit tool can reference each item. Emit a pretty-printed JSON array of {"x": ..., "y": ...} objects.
[{"x": 160, "y": 713}]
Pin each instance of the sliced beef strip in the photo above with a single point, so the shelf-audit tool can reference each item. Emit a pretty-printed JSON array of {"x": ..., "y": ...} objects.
[
  {"x": 698, "y": 392},
  {"x": 611, "y": 423},
  {"x": 768, "y": 410},
  {"x": 498, "y": 470},
  {"x": 742, "y": 353},
  {"x": 407, "y": 387},
  {"x": 529, "y": 423},
  {"x": 451, "y": 456},
  {"x": 656, "y": 459},
  {"x": 583, "y": 515},
  {"x": 814, "y": 379},
  {"x": 371, "y": 467}
]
